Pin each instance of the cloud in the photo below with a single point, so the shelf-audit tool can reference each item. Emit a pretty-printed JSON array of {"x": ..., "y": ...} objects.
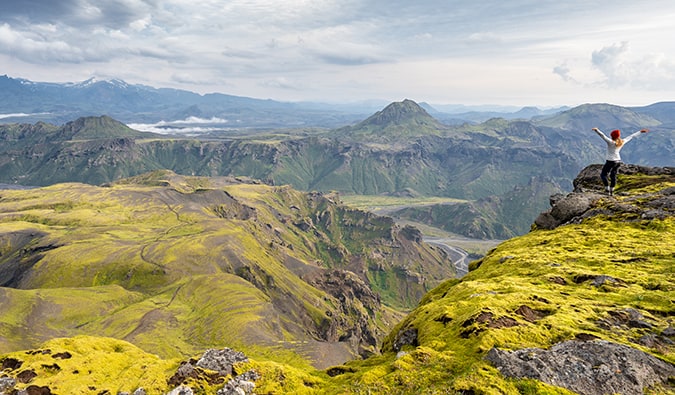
[
  {"x": 191, "y": 78},
  {"x": 347, "y": 55},
  {"x": 36, "y": 11},
  {"x": 610, "y": 61},
  {"x": 343, "y": 48},
  {"x": 621, "y": 68},
  {"x": 484, "y": 38},
  {"x": 18, "y": 115},
  {"x": 564, "y": 72},
  {"x": 187, "y": 126},
  {"x": 34, "y": 47},
  {"x": 113, "y": 14}
]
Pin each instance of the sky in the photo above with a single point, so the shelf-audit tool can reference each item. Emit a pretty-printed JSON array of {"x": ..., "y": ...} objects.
[{"x": 513, "y": 53}]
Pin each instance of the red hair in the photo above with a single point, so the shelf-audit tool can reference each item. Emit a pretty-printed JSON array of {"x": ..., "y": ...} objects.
[{"x": 616, "y": 136}]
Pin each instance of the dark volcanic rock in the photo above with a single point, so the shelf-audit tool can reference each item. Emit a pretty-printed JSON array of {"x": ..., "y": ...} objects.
[
  {"x": 36, "y": 390},
  {"x": 567, "y": 208},
  {"x": 589, "y": 178},
  {"x": 588, "y": 193},
  {"x": 405, "y": 337},
  {"x": 11, "y": 364},
  {"x": 590, "y": 368}
]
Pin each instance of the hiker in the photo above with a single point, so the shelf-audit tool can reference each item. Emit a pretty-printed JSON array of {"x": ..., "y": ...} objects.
[{"x": 614, "y": 145}]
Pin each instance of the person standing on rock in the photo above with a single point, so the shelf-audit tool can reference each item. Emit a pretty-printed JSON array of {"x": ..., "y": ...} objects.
[{"x": 614, "y": 145}]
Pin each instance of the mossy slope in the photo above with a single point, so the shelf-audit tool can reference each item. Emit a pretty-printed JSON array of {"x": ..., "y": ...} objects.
[
  {"x": 579, "y": 281},
  {"x": 179, "y": 264},
  {"x": 582, "y": 281}
]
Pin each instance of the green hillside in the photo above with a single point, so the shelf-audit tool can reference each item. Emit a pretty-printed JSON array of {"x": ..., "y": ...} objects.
[
  {"x": 609, "y": 276},
  {"x": 396, "y": 122},
  {"x": 178, "y": 264},
  {"x": 583, "y": 307}
]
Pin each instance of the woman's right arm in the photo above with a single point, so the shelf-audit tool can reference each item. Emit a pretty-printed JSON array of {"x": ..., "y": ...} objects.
[{"x": 604, "y": 137}]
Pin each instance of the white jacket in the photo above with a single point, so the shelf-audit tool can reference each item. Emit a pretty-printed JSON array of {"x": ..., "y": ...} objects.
[{"x": 612, "y": 150}]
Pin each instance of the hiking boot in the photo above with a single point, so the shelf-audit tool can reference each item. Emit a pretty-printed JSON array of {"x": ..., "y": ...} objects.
[{"x": 611, "y": 191}]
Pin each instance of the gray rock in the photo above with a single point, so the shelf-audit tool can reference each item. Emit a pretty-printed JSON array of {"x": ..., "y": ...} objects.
[
  {"x": 240, "y": 385},
  {"x": 405, "y": 337},
  {"x": 601, "y": 280},
  {"x": 182, "y": 390},
  {"x": 6, "y": 385},
  {"x": 221, "y": 361},
  {"x": 588, "y": 190},
  {"x": 567, "y": 209},
  {"x": 590, "y": 368}
]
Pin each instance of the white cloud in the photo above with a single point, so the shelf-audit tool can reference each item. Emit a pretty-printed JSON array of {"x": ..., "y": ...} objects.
[
  {"x": 621, "y": 67},
  {"x": 189, "y": 125},
  {"x": 20, "y": 115},
  {"x": 352, "y": 49},
  {"x": 564, "y": 72}
]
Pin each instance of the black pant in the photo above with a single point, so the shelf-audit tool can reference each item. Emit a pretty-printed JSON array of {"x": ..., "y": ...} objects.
[{"x": 610, "y": 167}]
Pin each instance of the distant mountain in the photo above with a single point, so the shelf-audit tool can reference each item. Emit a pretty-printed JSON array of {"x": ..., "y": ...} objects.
[
  {"x": 397, "y": 120},
  {"x": 605, "y": 116},
  {"x": 61, "y": 102},
  {"x": 455, "y": 117},
  {"x": 22, "y": 100},
  {"x": 103, "y": 127},
  {"x": 664, "y": 112}
]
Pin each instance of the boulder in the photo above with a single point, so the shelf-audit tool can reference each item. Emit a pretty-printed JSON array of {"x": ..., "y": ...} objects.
[
  {"x": 584, "y": 201},
  {"x": 221, "y": 361},
  {"x": 591, "y": 368}
]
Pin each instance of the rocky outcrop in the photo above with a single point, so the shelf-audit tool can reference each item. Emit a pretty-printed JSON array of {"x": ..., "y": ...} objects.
[
  {"x": 590, "y": 368},
  {"x": 356, "y": 307},
  {"x": 588, "y": 199},
  {"x": 588, "y": 179},
  {"x": 214, "y": 367}
]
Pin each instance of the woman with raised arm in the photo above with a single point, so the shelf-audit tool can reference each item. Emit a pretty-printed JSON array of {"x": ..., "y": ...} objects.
[{"x": 614, "y": 145}]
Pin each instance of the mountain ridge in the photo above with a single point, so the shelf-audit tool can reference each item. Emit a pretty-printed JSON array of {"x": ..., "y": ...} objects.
[
  {"x": 31, "y": 101},
  {"x": 398, "y": 120}
]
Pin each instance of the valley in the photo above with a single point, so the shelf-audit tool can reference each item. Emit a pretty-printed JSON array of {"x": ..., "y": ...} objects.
[{"x": 166, "y": 248}]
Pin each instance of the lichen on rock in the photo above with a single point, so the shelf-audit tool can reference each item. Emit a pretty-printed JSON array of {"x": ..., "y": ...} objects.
[{"x": 592, "y": 368}]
